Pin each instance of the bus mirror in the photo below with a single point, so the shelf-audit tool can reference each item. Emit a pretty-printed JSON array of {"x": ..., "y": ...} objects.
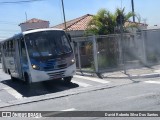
[{"x": 69, "y": 36}]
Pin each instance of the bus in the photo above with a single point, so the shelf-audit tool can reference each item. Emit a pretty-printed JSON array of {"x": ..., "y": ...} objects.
[{"x": 39, "y": 55}]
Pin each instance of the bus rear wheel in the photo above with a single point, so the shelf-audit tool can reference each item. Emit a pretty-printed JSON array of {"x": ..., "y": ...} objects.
[{"x": 67, "y": 79}]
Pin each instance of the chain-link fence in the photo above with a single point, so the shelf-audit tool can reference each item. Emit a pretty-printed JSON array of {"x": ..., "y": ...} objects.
[
  {"x": 83, "y": 49},
  {"x": 118, "y": 51},
  {"x": 107, "y": 52}
]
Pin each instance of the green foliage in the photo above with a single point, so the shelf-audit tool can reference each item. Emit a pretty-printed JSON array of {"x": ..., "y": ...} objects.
[
  {"x": 104, "y": 21},
  {"x": 105, "y": 62},
  {"x": 152, "y": 57}
]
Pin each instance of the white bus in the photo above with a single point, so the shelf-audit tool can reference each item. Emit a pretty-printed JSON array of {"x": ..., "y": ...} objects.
[{"x": 38, "y": 55}]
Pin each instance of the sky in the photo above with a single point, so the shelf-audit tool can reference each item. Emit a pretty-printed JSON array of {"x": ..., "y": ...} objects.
[{"x": 11, "y": 15}]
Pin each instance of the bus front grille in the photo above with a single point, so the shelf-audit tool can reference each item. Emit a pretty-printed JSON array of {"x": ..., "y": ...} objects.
[
  {"x": 55, "y": 75},
  {"x": 52, "y": 65}
]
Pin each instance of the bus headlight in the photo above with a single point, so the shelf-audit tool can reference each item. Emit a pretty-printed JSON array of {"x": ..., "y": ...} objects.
[
  {"x": 35, "y": 67},
  {"x": 72, "y": 62}
]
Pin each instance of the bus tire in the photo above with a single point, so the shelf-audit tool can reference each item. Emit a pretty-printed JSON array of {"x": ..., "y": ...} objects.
[
  {"x": 9, "y": 72},
  {"x": 26, "y": 78},
  {"x": 13, "y": 78},
  {"x": 67, "y": 79}
]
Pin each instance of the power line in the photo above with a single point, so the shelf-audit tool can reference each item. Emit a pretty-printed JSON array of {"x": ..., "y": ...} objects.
[
  {"x": 19, "y": 2},
  {"x": 8, "y": 23},
  {"x": 9, "y": 30}
]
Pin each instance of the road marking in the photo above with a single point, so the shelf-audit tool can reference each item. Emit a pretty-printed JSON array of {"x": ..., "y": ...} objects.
[
  {"x": 58, "y": 112},
  {"x": 153, "y": 82},
  {"x": 13, "y": 92},
  {"x": 157, "y": 71},
  {"x": 92, "y": 79},
  {"x": 139, "y": 96},
  {"x": 81, "y": 83},
  {"x": 71, "y": 109}
]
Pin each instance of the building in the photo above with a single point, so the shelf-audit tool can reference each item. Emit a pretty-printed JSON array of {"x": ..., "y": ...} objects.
[
  {"x": 135, "y": 26},
  {"x": 34, "y": 24},
  {"x": 77, "y": 27}
]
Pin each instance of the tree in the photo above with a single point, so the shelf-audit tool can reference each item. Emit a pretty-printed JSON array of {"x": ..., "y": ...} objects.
[
  {"x": 102, "y": 23},
  {"x": 127, "y": 16}
]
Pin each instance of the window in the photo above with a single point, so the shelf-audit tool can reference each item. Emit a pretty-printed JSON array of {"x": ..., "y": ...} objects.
[{"x": 23, "y": 53}]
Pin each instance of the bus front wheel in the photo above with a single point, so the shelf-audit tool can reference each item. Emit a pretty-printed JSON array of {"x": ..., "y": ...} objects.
[
  {"x": 67, "y": 79},
  {"x": 13, "y": 78},
  {"x": 26, "y": 78}
]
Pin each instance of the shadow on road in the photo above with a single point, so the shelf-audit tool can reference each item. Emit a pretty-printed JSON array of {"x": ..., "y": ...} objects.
[{"x": 41, "y": 88}]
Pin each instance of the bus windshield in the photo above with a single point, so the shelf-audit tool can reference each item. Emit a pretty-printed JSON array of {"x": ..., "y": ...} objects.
[{"x": 47, "y": 44}]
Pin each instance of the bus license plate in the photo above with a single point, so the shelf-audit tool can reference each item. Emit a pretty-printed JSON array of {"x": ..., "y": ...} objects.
[{"x": 57, "y": 76}]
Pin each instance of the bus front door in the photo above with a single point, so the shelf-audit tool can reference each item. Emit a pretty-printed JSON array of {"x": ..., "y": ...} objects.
[{"x": 18, "y": 68}]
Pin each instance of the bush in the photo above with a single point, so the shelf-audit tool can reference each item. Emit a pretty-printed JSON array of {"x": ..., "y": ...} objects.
[{"x": 152, "y": 58}]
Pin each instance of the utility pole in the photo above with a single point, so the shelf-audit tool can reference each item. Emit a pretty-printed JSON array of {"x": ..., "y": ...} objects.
[
  {"x": 132, "y": 2},
  {"x": 26, "y": 16},
  {"x": 120, "y": 23},
  {"x": 65, "y": 26}
]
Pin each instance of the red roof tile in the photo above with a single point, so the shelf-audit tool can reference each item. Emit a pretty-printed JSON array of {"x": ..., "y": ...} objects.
[
  {"x": 76, "y": 24},
  {"x": 81, "y": 23}
]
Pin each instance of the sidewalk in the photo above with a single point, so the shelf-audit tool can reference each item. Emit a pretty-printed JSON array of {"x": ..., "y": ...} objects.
[{"x": 143, "y": 72}]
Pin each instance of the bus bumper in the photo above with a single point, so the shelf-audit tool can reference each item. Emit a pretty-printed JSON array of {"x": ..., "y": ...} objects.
[{"x": 38, "y": 76}]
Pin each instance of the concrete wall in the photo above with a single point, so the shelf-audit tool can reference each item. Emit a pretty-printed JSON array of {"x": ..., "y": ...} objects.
[
  {"x": 78, "y": 33},
  {"x": 30, "y": 26},
  {"x": 152, "y": 44}
]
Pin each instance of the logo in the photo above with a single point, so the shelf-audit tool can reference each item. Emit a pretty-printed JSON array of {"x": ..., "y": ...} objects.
[{"x": 6, "y": 114}]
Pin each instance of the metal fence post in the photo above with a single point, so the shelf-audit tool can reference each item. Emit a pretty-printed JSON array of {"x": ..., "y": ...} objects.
[
  {"x": 79, "y": 59},
  {"x": 120, "y": 50},
  {"x": 144, "y": 49},
  {"x": 95, "y": 54}
]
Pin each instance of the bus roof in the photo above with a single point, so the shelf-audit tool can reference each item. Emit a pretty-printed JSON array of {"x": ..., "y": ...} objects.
[
  {"x": 31, "y": 31},
  {"x": 39, "y": 30}
]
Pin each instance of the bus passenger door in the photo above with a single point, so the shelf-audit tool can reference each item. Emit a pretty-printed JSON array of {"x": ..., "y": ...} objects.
[
  {"x": 18, "y": 68},
  {"x": 23, "y": 57}
]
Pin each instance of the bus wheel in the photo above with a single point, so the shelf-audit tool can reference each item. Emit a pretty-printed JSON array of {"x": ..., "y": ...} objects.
[
  {"x": 13, "y": 78},
  {"x": 26, "y": 78},
  {"x": 67, "y": 79}
]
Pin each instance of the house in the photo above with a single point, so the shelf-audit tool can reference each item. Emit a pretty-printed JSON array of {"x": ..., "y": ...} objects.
[
  {"x": 138, "y": 26},
  {"x": 77, "y": 27},
  {"x": 34, "y": 24}
]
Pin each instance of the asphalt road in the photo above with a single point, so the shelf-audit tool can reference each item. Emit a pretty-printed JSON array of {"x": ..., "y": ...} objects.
[
  {"x": 10, "y": 91},
  {"x": 83, "y": 94},
  {"x": 139, "y": 96}
]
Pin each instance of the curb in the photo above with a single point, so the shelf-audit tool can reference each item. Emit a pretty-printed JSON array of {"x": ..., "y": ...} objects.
[{"x": 153, "y": 75}]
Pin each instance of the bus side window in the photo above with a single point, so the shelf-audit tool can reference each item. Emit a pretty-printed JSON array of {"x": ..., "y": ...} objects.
[
  {"x": 12, "y": 48},
  {"x": 9, "y": 48},
  {"x": 5, "y": 46},
  {"x": 23, "y": 53}
]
